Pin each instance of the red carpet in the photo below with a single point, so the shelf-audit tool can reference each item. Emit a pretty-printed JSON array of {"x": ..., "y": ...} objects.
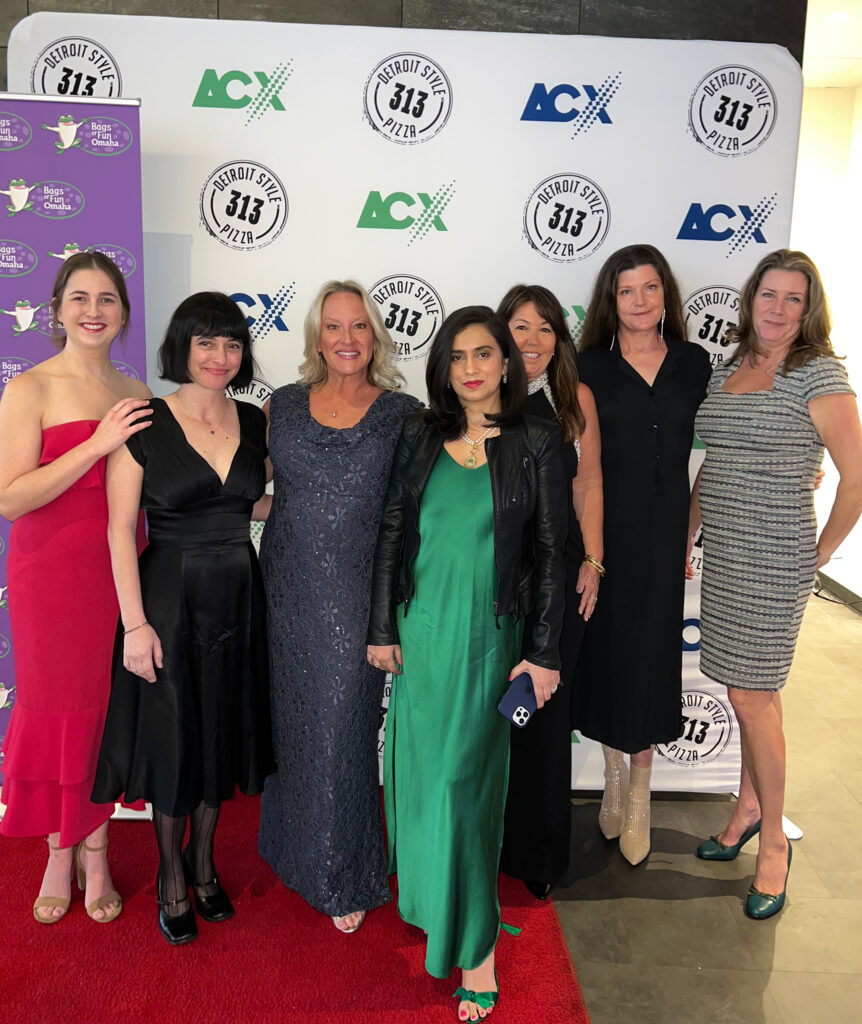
[{"x": 276, "y": 960}]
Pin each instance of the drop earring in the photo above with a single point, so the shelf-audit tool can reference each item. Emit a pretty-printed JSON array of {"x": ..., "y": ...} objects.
[
  {"x": 661, "y": 326},
  {"x": 613, "y": 342}
]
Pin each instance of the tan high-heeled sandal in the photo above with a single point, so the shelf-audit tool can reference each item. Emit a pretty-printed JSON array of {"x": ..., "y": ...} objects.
[
  {"x": 110, "y": 897},
  {"x": 49, "y": 902}
]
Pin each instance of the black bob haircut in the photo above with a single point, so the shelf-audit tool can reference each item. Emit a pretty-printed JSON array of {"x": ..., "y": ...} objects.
[
  {"x": 204, "y": 315},
  {"x": 444, "y": 411}
]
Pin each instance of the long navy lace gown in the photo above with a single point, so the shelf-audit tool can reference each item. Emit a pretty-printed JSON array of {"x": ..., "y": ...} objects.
[{"x": 320, "y": 827}]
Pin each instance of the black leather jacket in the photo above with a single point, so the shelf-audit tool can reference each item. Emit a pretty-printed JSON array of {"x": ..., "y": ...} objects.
[{"x": 530, "y": 525}]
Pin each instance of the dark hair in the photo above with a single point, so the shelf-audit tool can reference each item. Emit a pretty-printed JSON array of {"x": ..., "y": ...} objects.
[
  {"x": 204, "y": 315},
  {"x": 563, "y": 368},
  {"x": 94, "y": 260},
  {"x": 815, "y": 327},
  {"x": 445, "y": 411},
  {"x": 601, "y": 322}
]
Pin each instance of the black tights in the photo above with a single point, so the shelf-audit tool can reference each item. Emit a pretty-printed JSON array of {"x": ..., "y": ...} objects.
[{"x": 169, "y": 837}]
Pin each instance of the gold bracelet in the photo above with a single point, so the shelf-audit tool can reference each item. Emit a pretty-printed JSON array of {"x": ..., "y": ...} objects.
[
  {"x": 132, "y": 630},
  {"x": 596, "y": 564}
]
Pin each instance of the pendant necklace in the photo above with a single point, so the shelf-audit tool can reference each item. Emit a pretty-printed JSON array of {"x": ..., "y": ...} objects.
[
  {"x": 470, "y": 461},
  {"x": 212, "y": 430}
]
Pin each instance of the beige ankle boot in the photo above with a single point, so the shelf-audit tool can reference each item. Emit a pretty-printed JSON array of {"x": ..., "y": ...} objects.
[
  {"x": 614, "y": 797},
  {"x": 634, "y": 842}
]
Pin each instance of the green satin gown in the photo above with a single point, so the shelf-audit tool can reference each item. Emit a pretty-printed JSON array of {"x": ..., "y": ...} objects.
[{"x": 447, "y": 747}]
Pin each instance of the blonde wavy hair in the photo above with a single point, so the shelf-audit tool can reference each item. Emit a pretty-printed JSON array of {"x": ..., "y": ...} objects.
[
  {"x": 815, "y": 327},
  {"x": 382, "y": 371}
]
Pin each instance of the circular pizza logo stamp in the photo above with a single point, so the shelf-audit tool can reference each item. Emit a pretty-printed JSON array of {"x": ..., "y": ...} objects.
[
  {"x": 15, "y": 132},
  {"x": 76, "y": 66},
  {"x": 566, "y": 217},
  {"x": 411, "y": 310},
  {"x": 408, "y": 98},
  {"x": 732, "y": 110},
  {"x": 709, "y": 312},
  {"x": 257, "y": 392},
  {"x": 244, "y": 205},
  {"x": 706, "y": 730},
  {"x": 16, "y": 258}
]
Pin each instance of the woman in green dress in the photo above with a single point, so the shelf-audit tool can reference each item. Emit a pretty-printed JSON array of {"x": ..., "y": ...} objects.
[{"x": 483, "y": 486}]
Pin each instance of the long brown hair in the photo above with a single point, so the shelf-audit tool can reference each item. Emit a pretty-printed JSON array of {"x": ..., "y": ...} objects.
[
  {"x": 815, "y": 327},
  {"x": 563, "y": 368},
  {"x": 602, "y": 321}
]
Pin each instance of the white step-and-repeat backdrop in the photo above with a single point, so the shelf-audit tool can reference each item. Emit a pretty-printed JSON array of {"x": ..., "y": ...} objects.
[{"x": 439, "y": 168}]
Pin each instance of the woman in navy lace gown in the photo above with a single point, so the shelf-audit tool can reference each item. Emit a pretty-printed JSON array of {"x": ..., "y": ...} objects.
[{"x": 332, "y": 438}]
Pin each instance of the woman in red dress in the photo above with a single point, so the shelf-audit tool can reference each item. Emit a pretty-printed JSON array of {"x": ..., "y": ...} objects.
[{"x": 58, "y": 422}]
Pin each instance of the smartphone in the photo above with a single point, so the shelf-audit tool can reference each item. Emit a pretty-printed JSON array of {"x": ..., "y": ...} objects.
[{"x": 519, "y": 701}]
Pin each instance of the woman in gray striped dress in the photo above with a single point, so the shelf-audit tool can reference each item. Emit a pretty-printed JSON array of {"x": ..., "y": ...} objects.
[{"x": 769, "y": 412}]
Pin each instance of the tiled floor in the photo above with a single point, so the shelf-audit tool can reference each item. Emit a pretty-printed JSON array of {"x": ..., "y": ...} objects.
[{"x": 668, "y": 942}]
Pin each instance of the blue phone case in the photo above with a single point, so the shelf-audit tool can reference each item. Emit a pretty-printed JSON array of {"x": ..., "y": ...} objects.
[{"x": 519, "y": 702}]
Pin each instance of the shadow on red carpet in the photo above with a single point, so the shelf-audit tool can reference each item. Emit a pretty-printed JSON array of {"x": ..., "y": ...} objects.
[{"x": 277, "y": 960}]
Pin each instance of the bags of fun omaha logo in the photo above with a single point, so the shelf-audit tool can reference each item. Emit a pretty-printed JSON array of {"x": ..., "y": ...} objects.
[
  {"x": 411, "y": 310},
  {"x": 566, "y": 217},
  {"x": 401, "y": 211},
  {"x": 244, "y": 205},
  {"x": 584, "y": 107},
  {"x": 732, "y": 110},
  {"x": 236, "y": 90},
  {"x": 407, "y": 98},
  {"x": 737, "y": 225}
]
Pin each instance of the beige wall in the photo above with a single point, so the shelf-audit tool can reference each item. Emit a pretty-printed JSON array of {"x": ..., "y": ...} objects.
[{"x": 827, "y": 224}]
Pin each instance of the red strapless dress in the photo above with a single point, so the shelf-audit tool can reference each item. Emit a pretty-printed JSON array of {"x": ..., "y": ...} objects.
[{"x": 63, "y": 614}]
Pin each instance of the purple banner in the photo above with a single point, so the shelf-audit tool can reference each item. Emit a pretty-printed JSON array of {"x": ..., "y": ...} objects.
[{"x": 57, "y": 200}]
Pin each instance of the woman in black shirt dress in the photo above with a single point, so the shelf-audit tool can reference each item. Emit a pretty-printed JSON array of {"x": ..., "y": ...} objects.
[{"x": 648, "y": 383}]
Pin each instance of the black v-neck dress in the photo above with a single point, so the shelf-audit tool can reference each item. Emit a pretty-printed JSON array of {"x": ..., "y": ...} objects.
[{"x": 204, "y": 725}]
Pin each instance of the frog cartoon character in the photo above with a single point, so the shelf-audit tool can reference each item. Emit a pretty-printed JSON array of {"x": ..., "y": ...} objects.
[
  {"x": 69, "y": 249},
  {"x": 24, "y": 312},
  {"x": 19, "y": 195},
  {"x": 67, "y": 128}
]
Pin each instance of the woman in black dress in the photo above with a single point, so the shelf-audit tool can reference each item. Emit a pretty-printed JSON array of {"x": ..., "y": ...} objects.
[
  {"x": 648, "y": 383},
  {"x": 188, "y": 717},
  {"x": 538, "y": 806}
]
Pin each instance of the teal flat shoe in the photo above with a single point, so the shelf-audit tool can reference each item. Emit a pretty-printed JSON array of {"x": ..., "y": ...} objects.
[
  {"x": 714, "y": 849},
  {"x": 761, "y": 905},
  {"x": 487, "y": 1000}
]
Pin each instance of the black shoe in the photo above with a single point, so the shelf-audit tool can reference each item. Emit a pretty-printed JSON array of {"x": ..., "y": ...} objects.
[
  {"x": 214, "y": 908},
  {"x": 541, "y": 890},
  {"x": 179, "y": 929}
]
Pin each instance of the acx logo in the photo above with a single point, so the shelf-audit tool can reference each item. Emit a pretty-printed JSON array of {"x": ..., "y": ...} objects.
[
  {"x": 378, "y": 212},
  {"x": 543, "y": 103},
  {"x": 392, "y": 213},
  {"x": 273, "y": 308},
  {"x": 720, "y": 222},
  {"x": 231, "y": 91}
]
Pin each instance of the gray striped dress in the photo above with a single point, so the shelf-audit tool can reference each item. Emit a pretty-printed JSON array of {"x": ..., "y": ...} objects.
[{"x": 759, "y": 530}]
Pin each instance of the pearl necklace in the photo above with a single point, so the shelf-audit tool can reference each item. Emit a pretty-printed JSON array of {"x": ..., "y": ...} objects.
[{"x": 470, "y": 461}]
